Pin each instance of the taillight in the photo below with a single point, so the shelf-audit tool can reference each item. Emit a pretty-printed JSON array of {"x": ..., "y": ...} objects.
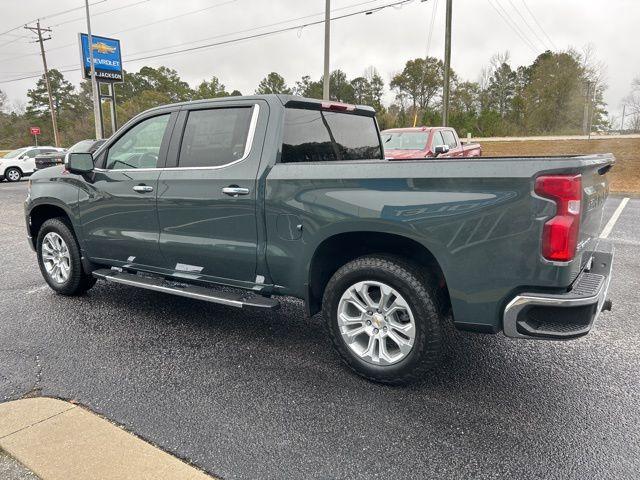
[
  {"x": 338, "y": 107},
  {"x": 560, "y": 234}
]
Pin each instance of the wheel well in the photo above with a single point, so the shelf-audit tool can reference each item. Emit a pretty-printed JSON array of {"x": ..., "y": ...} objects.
[
  {"x": 340, "y": 249},
  {"x": 41, "y": 214},
  {"x": 15, "y": 167}
]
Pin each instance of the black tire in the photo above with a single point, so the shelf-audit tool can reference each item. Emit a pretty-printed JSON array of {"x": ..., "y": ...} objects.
[
  {"x": 421, "y": 294},
  {"x": 78, "y": 281},
  {"x": 13, "y": 171}
]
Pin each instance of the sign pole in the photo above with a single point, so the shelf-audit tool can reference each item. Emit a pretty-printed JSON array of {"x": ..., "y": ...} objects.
[
  {"x": 94, "y": 85},
  {"x": 36, "y": 138},
  {"x": 114, "y": 120}
]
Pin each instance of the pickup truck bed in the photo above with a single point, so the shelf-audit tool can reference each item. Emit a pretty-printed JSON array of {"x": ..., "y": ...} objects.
[{"x": 305, "y": 205}]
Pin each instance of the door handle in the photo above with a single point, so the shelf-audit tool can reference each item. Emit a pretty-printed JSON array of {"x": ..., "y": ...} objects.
[
  {"x": 142, "y": 188},
  {"x": 234, "y": 190}
]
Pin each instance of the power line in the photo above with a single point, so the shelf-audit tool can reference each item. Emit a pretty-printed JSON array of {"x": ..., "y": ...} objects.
[
  {"x": 515, "y": 24},
  {"x": 49, "y": 16},
  {"x": 122, "y": 7},
  {"x": 174, "y": 17},
  {"x": 222, "y": 35},
  {"x": 272, "y": 32},
  {"x": 524, "y": 20},
  {"x": 77, "y": 19},
  {"x": 539, "y": 26},
  {"x": 514, "y": 28},
  {"x": 234, "y": 40},
  {"x": 252, "y": 29}
]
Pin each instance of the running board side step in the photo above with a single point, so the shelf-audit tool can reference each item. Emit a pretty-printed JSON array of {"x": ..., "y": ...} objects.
[{"x": 160, "y": 284}]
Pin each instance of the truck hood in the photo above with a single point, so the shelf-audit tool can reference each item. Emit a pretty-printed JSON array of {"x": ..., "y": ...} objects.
[
  {"x": 404, "y": 154},
  {"x": 49, "y": 173}
]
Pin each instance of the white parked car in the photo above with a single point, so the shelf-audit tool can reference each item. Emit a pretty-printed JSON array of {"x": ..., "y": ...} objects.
[{"x": 22, "y": 162}]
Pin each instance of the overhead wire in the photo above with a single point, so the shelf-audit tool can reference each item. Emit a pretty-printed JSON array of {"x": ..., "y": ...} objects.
[
  {"x": 367, "y": 2},
  {"x": 539, "y": 25},
  {"x": 235, "y": 40},
  {"x": 514, "y": 28},
  {"x": 527, "y": 24},
  {"x": 52, "y": 15}
]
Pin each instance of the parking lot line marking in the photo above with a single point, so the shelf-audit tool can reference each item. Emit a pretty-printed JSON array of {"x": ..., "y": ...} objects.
[{"x": 614, "y": 218}]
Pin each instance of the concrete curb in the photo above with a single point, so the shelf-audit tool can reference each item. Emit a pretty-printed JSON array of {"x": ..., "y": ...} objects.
[{"x": 58, "y": 440}]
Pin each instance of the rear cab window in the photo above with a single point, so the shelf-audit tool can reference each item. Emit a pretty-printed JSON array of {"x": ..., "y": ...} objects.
[{"x": 314, "y": 135}]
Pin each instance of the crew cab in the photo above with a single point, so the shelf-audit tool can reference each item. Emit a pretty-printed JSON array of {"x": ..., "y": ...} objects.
[
  {"x": 278, "y": 195},
  {"x": 21, "y": 162},
  {"x": 426, "y": 142}
]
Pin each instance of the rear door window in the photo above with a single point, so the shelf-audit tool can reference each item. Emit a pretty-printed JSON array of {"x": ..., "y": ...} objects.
[
  {"x": 323, "y": 136},
  {"x": 215, "y": 137}
]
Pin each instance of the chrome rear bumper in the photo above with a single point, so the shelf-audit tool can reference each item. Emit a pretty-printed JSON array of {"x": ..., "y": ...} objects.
[{"x": 566, "y": 315}]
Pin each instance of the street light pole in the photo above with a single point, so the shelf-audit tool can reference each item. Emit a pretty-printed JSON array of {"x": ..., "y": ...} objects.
[
  {"x": 94, "y": 85},
  {"x": 447, "y": 66},
  {"x": 327, "y": 37}
]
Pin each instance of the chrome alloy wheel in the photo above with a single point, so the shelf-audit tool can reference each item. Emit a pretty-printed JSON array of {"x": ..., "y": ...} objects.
[
  {"x": 376, "y": 322},
  {"x": 56, "y": 257}
]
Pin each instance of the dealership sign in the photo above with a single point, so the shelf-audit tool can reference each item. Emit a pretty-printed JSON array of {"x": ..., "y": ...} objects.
[{"x": 107, "y": 60}]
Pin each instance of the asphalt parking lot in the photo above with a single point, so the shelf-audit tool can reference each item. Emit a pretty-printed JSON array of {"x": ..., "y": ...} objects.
[{"x": 262, "y": 395}]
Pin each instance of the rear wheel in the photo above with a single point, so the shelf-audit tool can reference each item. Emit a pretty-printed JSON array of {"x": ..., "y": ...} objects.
[
  {"x": 383, "y": 319},
  {"x": 13, "y": 174},
  {"x": 59, "y": 259}
]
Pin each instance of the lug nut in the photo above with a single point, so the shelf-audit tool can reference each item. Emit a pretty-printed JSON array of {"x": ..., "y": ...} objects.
[
  {"x": 368, "y": 322},
  {"x": 375, "y": 330},
  {"x": 385, "y": 329},
  {"x": 369, "y": 312}
]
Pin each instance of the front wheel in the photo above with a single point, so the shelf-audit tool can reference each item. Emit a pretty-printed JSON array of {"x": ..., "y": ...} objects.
[
  {"x": 13, "y": 174},
  {"x": 59, "y": 259},
  {"x": 383, "y": 319}
]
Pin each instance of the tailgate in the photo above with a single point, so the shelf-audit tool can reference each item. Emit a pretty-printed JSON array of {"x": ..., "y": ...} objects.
[{"x": 595, "y": 190}]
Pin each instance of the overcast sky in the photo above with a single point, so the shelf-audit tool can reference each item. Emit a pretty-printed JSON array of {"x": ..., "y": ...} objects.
[{"x": 384, "y": 39}]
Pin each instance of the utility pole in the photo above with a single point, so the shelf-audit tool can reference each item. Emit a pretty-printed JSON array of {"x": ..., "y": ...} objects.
[
  {"x": 97, "y": 115},
  {"x": 624, "y": 106},
  {"x": 41, "y": 41},
  {"x": 327, "y": 38},
  {"x": 585, "y": 115},
  {"x": 447, "y": 66}
]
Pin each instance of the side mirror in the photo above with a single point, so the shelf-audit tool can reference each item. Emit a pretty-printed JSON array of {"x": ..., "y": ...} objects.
[
  {"x": 441, "y": 149},
  {"x": 79, "y": 163}
]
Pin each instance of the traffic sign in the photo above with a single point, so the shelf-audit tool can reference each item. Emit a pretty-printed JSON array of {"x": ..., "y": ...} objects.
[{"x": 35, "y": 130}]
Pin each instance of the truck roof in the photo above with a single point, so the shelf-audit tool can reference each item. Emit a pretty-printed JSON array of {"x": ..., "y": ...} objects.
[{"x": 281, "y": 98}]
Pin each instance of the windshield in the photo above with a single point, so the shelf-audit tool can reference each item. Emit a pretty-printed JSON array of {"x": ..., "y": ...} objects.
[
  {"x": 404, "y": 140},
  {"x": 16, "y": 153},
  {"x": 83, "y": 146}
]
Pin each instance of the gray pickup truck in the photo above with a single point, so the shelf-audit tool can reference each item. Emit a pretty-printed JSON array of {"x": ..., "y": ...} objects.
[{"x": 240, "y": 200}]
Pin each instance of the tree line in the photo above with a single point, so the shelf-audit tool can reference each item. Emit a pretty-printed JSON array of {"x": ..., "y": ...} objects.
[{"x": 556, "y": 94}]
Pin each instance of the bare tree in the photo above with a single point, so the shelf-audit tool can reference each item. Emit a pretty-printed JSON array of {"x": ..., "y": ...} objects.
[{"x": 632, "y": 106}]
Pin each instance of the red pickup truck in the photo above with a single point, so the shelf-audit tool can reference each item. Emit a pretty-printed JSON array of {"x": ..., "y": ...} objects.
[{"x": 424, "y": 142}]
